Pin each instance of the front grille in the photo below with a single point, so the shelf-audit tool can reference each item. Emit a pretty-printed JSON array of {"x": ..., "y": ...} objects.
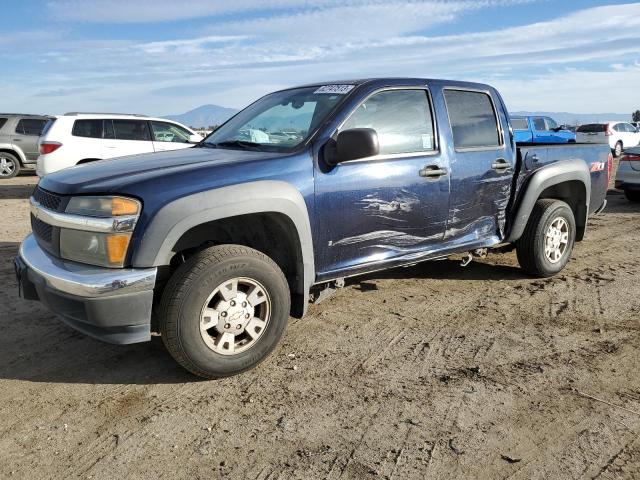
[
  {"x": 47, "y": 199},
  {"x": 41, "y": 230}
]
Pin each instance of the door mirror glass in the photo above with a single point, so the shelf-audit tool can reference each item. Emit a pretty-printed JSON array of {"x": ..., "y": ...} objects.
[{"x": 357, "y": 143}]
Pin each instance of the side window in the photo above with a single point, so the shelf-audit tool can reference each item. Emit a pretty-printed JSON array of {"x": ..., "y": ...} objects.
[
  {"x": 519, "y": 124},
  {"x": 108, "y": 130},
  {"x": 169, "y": 132},
  {"x": 131, "y": 130},
  {"x": 539, "y": 125},
  {"x": 551, "y": 124},
  {"x": 401, "y": 118},
  {"x": 473, "y": 119},
  {"x": 87, "y": 128},
  {"x": 619, "y": 127},
  {"x": 2, "y": 122},
  {"x": 629, "y": 128},
  {"x": 30, "y": 126}
]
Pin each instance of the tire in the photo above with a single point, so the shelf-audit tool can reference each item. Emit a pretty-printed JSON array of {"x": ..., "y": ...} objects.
[
  {"x": 530, "y": 248},
  {"x": 632, "y": 195},
  {"x": 190, "y": 299},
  {"x": 9, "y": 165},
  {"x": 617, "y": 150}
]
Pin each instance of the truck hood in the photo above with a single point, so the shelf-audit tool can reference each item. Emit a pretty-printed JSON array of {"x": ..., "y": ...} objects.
[{"x": 110, "y": 175}]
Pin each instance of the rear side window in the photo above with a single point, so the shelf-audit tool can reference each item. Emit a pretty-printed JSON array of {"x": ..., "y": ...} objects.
[
  {"x": 592, "y": 128},
  {"x": 473, "y": 119},
  {"x": 131, "y": 130},
  {"x": 30, "y": 126},
  {"x": 538, "y": 124},
  {"x": 519, "y": 124},
  {"x": 87, "y": 128},
  {"x": 2, "y": 122},
  {"x": 169, "y": 132},
  {"x": 401, "y": 118}
]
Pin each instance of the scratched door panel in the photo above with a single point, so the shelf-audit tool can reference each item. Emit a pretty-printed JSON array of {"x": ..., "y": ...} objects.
[{"x": 370, "y": 212}]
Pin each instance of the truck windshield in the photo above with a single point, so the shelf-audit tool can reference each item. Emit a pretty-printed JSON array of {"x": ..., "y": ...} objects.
[{"x": 279, "y": 122}]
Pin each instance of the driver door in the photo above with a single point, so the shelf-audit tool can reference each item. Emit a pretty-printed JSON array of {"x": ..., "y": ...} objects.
[{"x": 390, "y": 207}]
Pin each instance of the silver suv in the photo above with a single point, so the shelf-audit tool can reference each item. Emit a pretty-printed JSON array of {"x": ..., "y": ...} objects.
[{"x": 19, "y": 142}]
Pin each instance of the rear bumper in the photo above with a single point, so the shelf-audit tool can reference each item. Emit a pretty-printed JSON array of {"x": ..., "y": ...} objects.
[{"x": 112, "y": 305}]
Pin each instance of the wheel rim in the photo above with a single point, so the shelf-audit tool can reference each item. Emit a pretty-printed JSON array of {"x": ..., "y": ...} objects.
[
  {"x": 618, "y": 149},
  {"x": 235, "y": 316},
  {"x": 556, "y": 240},
  {"x": 7, "y": 167}
]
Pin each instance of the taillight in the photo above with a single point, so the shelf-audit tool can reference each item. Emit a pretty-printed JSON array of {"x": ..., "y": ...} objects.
[
  {"x": 49, "y": 147},
  {"x": 609, "y": 168},
  {"x": 630, "y": 157}
]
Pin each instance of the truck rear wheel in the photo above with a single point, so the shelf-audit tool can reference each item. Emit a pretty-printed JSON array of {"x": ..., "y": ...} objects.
[
  {"x": 224, "y": 310},
  {"x": 547, "y": 242}
]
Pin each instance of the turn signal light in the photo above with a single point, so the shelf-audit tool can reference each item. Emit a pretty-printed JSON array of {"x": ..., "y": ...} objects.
[
  {"x": 124, "y": 206},
  {"x": 117, "y": 248},
  {"x": 49, "y": 147}
]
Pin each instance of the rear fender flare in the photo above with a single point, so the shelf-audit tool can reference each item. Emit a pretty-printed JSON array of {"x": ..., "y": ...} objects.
[
  {"x": 554, "y": 174},
  {"x": 10, "y": 148}
]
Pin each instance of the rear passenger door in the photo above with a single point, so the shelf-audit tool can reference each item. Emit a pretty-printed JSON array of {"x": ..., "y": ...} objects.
[
  {"x": 169, "y": 136},
  {"x": 481, "y": 167},
  {"x": 87, "y": 139},
  {"x": 26, "y": 135},
  {"x": 126, "y": 137}
]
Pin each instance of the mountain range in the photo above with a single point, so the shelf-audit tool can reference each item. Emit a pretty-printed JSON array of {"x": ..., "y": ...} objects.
[
  {"x": 204, "y": 116},
  {"x": 208, "y": 115},
  {"x": 566, "y": 118}
]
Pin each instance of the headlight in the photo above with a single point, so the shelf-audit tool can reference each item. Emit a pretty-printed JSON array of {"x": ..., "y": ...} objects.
[
  {"x": 103, "y": 206},
  {"x": 103, "y": 238}
]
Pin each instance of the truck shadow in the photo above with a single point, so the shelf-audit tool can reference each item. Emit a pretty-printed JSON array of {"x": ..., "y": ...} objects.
[{"x": 447, "y": 270}]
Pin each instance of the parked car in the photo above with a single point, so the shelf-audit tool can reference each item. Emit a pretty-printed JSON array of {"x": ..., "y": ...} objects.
[
  {"x": 619, "y": 135},
  {"x": 540, "y": 130},
  {"x": 225, "y": 240},
  {"x": 19, "y": 135},
  {"x": 628, "y": 175},
  {"x": 76, "y": 138}
]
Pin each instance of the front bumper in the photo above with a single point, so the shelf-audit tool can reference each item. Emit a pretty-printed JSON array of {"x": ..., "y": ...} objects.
[{"x": 113, "y": 305}]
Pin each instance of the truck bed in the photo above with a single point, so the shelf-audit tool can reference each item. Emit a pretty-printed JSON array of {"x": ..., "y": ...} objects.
[{"x": 596, "y": 156}]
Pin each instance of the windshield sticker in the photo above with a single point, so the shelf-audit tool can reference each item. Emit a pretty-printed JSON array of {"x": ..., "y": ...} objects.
[{"x": 339, "y": 89}]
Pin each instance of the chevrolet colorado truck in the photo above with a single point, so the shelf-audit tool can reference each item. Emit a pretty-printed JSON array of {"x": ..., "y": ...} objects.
[{"x": 215, "y": 246}]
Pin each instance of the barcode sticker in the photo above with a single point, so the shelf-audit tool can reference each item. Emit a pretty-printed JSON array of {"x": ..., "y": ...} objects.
[
  {"x": 427, "y": 142},
  {"x": 339, "y": 89}
]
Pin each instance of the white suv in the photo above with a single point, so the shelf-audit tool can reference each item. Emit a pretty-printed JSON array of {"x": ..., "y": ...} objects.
[
  {"x": 76, "y": 138},
  {"x": 618, "y": 135}
]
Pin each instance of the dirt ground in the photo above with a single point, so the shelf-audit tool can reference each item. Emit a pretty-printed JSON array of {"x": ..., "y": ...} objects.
[{"x": 433, "y": 371}]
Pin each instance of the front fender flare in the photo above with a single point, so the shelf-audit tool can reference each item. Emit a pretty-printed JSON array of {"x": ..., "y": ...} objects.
[
  {"x": 548, "y": 176},
  {"x": 179, "y": 216}
]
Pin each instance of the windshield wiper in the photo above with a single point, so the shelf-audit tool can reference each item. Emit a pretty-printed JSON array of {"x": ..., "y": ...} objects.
[{"x": 236, "y": 143}]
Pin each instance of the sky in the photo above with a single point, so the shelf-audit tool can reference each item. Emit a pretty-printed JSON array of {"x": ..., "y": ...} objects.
[{"x": 164, "y": 57}]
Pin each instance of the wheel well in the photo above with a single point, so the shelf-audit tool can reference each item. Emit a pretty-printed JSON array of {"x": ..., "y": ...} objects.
[
  {"x": 271, "y": 233},
  {"x": 574, "y": 194},
  {"x": 87, "y": 160},
  {"x": 14, "y": 153}
]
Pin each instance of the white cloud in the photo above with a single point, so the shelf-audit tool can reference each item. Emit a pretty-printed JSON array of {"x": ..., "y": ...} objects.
[{"x": 232, "y": 62}]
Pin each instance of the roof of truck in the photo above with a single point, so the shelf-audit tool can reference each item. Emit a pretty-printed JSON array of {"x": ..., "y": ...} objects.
[{"x": 382, "y": 81}]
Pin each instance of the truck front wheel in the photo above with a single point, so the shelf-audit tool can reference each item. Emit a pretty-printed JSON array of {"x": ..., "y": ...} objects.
[
  {"x": 224, "y": 310},
  {"x": 547, "y": 242}
]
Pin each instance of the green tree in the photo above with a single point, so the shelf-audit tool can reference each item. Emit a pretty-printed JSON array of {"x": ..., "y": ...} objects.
[{"x": 636, "y": 116}]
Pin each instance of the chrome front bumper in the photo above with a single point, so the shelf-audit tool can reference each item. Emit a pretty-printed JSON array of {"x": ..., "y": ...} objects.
[{"x": 113, "y": 305}]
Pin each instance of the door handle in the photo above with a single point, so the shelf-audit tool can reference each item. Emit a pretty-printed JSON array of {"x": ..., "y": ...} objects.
[
  {"x": 432, "y": 171},
  {"x": 501, "y": 165}
]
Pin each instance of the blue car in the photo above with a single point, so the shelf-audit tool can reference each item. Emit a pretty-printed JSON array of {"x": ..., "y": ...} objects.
[{"x": 540, "y": 130}]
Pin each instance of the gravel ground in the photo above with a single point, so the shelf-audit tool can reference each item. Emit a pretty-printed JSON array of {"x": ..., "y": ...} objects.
[{"x": 433, "y": 371}]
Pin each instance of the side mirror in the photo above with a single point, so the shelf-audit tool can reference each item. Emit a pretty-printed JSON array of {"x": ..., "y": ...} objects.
[
  {"x": 356, "y": 143},
  {"x": 195, "y": 138}
]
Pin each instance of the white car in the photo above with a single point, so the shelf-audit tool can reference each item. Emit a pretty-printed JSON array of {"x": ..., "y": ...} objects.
[
  {"x": 76, "y": 138},
  {"x": 619, "y": 135}
]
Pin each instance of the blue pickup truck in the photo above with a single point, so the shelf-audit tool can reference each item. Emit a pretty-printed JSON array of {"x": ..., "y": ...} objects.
[
  {"x": 215, "y": 246},
  {"x": 540, "y": 130}
]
